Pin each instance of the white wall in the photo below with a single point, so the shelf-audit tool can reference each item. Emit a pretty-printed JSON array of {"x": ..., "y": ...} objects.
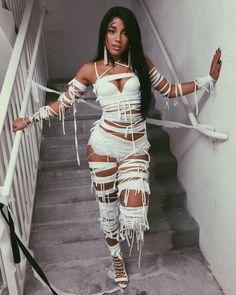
[
  {"x": 192, "y": 30},
  {"x": 71, "y": 33}
]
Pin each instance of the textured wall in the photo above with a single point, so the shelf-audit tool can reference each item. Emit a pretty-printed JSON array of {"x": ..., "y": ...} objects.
[{"x": 192, "y": 30}]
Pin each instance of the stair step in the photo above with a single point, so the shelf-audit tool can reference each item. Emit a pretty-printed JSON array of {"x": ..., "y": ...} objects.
[
  {"x": 63, "y": 165},
  {"x": 184, "y": 229},
  {"x": 62, "y": 213},
  {"x": 49, "y": 234},
  {"x": 58, "y": 141},
  {"x": 158, "y": 139},
  {"x": 61, "y": 153},
  {"x": 162, "y": 165},
  {"x": 169, "y": 193},
  {"x": 84, "y": 126},
  {"x": 69, "y": 195},
  {"x": 62, "y": 179}
]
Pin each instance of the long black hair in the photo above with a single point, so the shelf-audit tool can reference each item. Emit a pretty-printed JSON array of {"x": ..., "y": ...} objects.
[{"x": 138, "y": 60}]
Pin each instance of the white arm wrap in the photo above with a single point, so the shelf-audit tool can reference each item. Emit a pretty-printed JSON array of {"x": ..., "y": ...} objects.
[
  {"x": 43, "y": 113},
  {"x": 204, "y": 82},
  {"x": 74, "y": 92},
  {"x": 156, "y": 78}
]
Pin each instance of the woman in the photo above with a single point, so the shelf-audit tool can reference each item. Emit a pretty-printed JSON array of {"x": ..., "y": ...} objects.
[{"x": 122, "y": 77}]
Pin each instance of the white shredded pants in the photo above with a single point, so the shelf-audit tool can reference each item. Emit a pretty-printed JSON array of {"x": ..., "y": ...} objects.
[{"x": 119, "y": 172}]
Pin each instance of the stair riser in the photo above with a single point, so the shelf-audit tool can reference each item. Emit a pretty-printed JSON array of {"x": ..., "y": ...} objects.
[
  {"x": 62, "y": 165},
  {"x": 171, "y": 201},
  {"x": 60, "y": 141},
  {"x": 179, "y": 238},
  {"x": 163, "y": 170},
  {"x": 83, "y": 127},
  {"x": 185, "y": 239},
  {"x": 81, "y": 211},
  {"x": 65, "y": 196},
  {"x": 159, "y": 144},
  {"x": 61, "y": 183},
  {"x": 63, "y": 153}
]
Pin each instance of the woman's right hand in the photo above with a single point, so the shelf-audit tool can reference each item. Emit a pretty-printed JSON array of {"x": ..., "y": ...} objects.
[
  {"x": 216, "y": 65},
  {"x": 20, "y": 124}
]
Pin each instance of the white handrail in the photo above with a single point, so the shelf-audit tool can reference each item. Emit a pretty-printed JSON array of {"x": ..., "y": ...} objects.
[
  {"x": 6, "y": 189},
  {"x": 211, "y": 133},
  {"x": 19, "y": 153},
  {"x": 5, "y": 95},
  {"x": 17, "y": 8}
]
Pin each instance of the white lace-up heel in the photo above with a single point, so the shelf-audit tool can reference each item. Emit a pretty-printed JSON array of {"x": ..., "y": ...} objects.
[{"x": 120, "y": 275}]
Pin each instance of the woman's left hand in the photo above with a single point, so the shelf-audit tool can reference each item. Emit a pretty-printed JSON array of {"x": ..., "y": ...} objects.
[{"x": 216, "y": 65}]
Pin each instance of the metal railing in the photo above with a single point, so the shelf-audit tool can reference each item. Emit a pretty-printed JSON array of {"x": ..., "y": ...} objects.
[
  {"x": 19, "y": 153},
  {"x": 17, "y": 8},
  {"x": 207, "y": 130}
]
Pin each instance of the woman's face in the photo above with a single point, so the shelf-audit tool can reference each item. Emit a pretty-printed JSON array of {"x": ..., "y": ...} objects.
[{"x": 116, "y": 39}]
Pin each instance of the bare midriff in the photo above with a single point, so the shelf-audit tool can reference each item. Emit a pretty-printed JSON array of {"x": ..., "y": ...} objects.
[{"x": 129, "y": 136}]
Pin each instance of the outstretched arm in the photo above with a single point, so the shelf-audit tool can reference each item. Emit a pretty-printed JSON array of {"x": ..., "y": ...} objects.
[
  {"x": 76, "y": 88},
  {"x": 169, "y": 90}
]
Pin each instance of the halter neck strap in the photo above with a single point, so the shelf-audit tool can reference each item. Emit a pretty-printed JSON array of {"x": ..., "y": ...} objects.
[{"x": 107, "y": 70}]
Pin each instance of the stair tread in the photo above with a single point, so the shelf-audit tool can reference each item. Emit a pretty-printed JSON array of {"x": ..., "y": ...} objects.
[
  {"x": 59, "y": 153},
  {"x": 65, "y": 165},
  {"x": 178, "y": 219},
  {"x": 169, "y": 184},
  {"x": 61, "y": 141},
  {"x": 60, "y": 213},
  {"x": 161, "y": 156},
  {"x": 63, "y": 196},
  {"x": 84, "y": 125}
]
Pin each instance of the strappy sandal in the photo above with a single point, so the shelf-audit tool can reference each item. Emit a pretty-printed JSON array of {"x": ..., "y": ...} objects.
[{"x": 120, "y": 275}]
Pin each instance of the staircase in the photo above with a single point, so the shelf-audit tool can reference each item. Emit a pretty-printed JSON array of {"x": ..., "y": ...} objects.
[{"x": 66, "y": 236}]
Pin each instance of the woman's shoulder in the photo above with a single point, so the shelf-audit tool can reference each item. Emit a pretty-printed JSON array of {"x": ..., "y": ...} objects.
[
  {"x": 87, "y": 67},
  {"x": 85, "y": 73}
]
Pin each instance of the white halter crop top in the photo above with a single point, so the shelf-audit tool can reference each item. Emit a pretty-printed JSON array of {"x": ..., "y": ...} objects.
[{"x": 118, "y": 105}]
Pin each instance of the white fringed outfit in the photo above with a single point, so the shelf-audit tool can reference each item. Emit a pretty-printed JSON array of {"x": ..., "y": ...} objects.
[{"x": 128, "y": 159}]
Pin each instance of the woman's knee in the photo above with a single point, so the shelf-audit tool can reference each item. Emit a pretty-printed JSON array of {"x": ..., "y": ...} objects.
[
  {"x": 133, "y": 218},
  {"x": 109, "y": 218}
]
